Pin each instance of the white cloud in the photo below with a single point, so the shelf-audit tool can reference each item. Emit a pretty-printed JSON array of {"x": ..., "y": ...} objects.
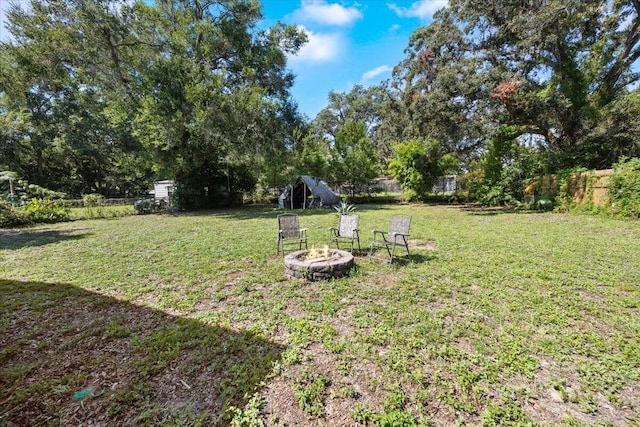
[
  {"x": 319, "y": 47},
  {"x": 321, "y": 12},
  {"x": 375, "y": 72},
  {"x": 423, "y": 9}
]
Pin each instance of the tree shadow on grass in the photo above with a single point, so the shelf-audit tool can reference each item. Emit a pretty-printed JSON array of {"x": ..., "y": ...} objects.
[
  {"x": 69, "y": 356},
  {"x": 29, "y": 238}
]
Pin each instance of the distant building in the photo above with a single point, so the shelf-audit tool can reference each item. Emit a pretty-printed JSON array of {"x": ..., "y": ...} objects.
[{"x": 162, "y": 190}]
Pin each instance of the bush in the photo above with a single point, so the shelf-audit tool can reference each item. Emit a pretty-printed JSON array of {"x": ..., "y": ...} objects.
[
  {"x": 12, "y": 217},
  {"x": 92, "y": 200},
  {"x": 543, "y": 205},
  {"x": 624, "y": 188},
  {"x": 43, "y": 210}
]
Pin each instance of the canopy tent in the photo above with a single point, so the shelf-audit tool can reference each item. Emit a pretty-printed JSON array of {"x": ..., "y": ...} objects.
[{"x": 308, "y": 192}]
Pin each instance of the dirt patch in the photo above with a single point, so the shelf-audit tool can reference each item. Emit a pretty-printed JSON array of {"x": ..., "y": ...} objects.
[{"x": 429, "y": 245}]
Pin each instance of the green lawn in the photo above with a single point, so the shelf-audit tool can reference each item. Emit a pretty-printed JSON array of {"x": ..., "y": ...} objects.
[{"x": 495, "y": 319}]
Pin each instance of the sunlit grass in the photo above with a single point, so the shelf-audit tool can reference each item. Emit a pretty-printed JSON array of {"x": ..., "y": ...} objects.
[{"x": 495, "y": 318}]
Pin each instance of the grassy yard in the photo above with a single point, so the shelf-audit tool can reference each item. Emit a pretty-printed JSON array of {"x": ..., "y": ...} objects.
[{"x": 495, "y": 319}]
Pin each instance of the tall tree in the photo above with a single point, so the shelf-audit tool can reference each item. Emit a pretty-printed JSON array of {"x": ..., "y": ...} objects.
[
  {"x": 417, "y": 165},
  {"x": 191, "y": 82},
  {"x": 353, "y": 161},
  {"x": 549, "y": 67},
  {"x": 378, "y": 107},
  {"x": 216, "y": 96},
  {"x": 62, "y": 73}
]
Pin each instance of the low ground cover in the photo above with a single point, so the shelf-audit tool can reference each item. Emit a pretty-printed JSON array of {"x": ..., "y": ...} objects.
[{"x": 496, "y": 318}]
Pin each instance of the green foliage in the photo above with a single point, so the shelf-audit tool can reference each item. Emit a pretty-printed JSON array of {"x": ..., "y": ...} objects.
[
  {"x": 43, "y": 210},
  {"x": 565, "y": 74},
  {"x": 417, "y": 165},
  {"x": 312, "y": 157},
  {"x": 92, "y": 200},
  {"x": 395, "y": 418},
  {"x": 363, "y": 414},
  {"x": 11, "y": 216},
  {"x": 33, "y": 211},
  {"x": 571, "y": 183},
  {"x": 503, "y": 174},
  {"x": 94, "y": 205},
  {"x": 18, "y": 191},
  {"x": 509, "y": 414},
  {"x": 345, "y": 208},
  {"x": 105, "y": 99},
  {"x": 624, "y": 188},
  {"x": 353, "y": 161},
  {"x": 377, "y": 107},
  {"x": 249, "y": 416},
  {"x": 205, "y": 186},
  {"x": 311, "y": 392}
]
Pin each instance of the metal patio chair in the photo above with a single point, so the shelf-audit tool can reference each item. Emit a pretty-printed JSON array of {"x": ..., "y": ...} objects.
[
  {"x": 397, "y": 235},
  {"x": 289, "y": 232},
  {"x": 347, "y": 231}
]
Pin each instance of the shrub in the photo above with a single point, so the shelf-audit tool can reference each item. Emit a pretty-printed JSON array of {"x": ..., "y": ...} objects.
[
  {"x": 543, "y": 205},
  {"x": 43, "y": 210},
  {"x": 624, "y": 188},
  {"x": 92, "y": 200},
  {"x": 12, "y": 217},
  {"x": 345, "y": 208},
  {"x": 571, "y": 182}
]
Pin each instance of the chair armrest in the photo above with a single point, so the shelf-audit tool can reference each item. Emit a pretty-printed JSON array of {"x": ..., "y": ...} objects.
[
  {"x": 394, "y": 237},
  {"x": 400, "y": 234}
]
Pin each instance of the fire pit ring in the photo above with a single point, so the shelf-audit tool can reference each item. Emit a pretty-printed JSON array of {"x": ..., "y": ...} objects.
[{"x": 336, "y": 264}]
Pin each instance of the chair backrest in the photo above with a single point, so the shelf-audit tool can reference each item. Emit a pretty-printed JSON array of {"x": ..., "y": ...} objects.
[
  {"x": 347, "y": 224},
  {"x": 288, "y": 226},
  {"x": 399, "y": 224}
]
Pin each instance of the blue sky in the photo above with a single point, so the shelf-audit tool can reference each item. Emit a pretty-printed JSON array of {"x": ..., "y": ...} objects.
[{"x": 350, "y": 42}]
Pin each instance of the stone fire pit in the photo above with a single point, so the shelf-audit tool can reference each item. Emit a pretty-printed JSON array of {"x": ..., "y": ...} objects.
[{"x": 314, "y": 265}]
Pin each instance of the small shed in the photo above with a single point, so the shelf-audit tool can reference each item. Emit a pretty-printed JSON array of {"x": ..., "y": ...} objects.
[
  {"x": 162, "y": 190},
  {"x": 308, "y": 192}
]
